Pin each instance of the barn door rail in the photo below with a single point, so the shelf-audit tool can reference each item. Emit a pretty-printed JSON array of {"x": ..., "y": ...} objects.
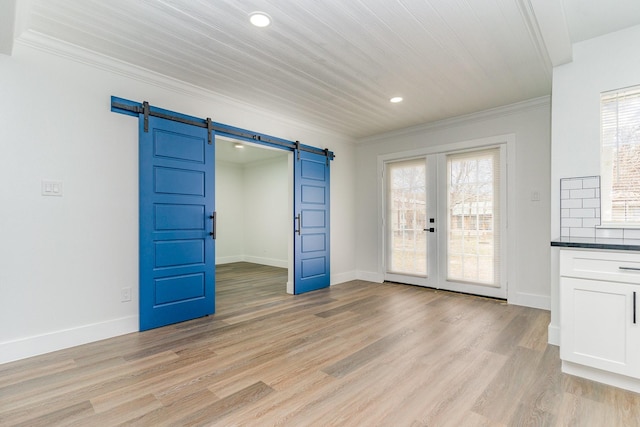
[{"x": 132, "y": 108}]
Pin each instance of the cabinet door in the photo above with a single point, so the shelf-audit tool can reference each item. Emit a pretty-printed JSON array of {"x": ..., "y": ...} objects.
[{"x": 597, "y": 325}]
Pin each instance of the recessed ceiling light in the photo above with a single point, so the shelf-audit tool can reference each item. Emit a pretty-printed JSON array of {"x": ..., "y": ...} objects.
[
  {"x": 396, "y": 99},
  {"x": 238, "y": 145},
  {"x": 260, "y": 19}
]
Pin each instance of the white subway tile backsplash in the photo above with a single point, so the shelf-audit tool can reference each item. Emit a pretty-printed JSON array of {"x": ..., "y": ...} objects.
[
  {"x": 570, "y": 183},
  {"x": 582, "y": 232},
  {"x": 593, "y": 182},
  {"x": 631, "y": 234},
  {"x": 582, "y": 213},
  {"x": 573, "y": 204},
  {"x": 583, "y": 194},
  {"x": 590, "y": 222},
  {"x": 579, "y": 206},
  {"x": 609, "y": 233},
  {"x": 571, "y": 222},
  {"x": 590, "y": 203}
]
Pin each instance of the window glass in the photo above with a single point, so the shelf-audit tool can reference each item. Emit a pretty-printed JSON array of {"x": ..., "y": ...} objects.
[{"x": 620, "y": 157}]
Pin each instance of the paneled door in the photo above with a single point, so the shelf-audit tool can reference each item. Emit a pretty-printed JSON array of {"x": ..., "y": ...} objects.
[
  {"x": 311, "y": 222},
  {"x": 410, "y": 221},
  {"x": 177, "y": 220}
]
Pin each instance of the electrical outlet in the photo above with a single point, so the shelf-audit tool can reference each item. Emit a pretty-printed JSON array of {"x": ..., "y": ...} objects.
[{"x": 125, "y": 294}]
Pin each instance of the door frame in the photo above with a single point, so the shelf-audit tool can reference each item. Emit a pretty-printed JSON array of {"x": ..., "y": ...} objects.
[{"x": 509, "y": 249}]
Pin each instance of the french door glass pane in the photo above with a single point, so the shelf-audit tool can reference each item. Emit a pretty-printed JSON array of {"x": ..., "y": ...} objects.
[
  {"x": 406, "y": 216},
  {"x": 473, "y": 240}
]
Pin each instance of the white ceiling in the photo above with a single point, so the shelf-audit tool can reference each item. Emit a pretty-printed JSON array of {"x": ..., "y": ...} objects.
[{"x": 336, "y": 63}]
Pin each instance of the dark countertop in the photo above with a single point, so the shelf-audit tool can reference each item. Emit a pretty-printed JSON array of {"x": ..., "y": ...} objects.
[{"x": 597, "y": 243}]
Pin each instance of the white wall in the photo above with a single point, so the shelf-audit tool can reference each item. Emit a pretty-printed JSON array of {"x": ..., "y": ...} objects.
[
  {"x": 230, "y": 212},
  {"x": 63, "y": 260},
  {"x": 600, "y": 64},
  {"x": 530, "y": 122},
  {"x": 267, "y": 218},
  {"x": 252, "y": 204}
]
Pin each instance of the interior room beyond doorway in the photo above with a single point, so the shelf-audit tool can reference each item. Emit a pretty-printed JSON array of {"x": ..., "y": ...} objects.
[{"x": 254, "y": 206}]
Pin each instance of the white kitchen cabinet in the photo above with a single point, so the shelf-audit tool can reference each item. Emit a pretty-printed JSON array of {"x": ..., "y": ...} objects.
[{"x": 599, "y": 319}]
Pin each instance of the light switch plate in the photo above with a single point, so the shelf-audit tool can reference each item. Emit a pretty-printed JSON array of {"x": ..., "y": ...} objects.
[{"x": 51, "y": 187}]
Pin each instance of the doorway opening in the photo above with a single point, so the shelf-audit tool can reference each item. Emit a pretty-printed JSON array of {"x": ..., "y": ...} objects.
[{"x": 254, "y": 202}]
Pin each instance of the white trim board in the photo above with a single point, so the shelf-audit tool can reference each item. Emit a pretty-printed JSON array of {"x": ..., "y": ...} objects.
[{"x": 66, "y": 338}]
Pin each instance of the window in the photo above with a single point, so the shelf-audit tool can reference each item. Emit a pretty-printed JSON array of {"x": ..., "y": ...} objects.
[
  {"x": 407, "y": 207},
  {"x": 620, "y": 157},
  {"x": 473, "y": 238}
]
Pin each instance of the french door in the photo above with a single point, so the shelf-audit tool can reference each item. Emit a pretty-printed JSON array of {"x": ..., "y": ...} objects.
[
  {"x": 445, "y": 223},
  {"x": 411, "y": 221}
]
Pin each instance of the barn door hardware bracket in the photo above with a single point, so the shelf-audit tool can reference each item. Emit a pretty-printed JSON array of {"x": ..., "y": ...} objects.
[
  {"x": 210, "y": 130},
  {"x": 145, "y": 110},
  {"x": 298, "y": 149}
]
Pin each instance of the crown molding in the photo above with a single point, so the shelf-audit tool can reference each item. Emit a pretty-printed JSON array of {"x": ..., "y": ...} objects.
[
  {"x": 492, "y": 113},
  {"x": 553, "y": 31},
  {"x": 535, "y": 34},
  {"x": 62, "y": 49}
]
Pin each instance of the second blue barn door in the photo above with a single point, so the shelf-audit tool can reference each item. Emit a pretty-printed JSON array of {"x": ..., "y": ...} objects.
[
  {"x": 177, "y": 260},
  {"x": 311, "y": 222}
]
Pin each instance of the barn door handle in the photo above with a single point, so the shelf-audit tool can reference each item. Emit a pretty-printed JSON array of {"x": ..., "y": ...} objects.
[
  {"x": 212, "y": 217},
  {"x": 298, "y": 222},
  {"x": 634, "y": 308}
]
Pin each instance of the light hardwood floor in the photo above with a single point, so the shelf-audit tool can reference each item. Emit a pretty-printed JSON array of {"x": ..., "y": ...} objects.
[{"x": 357, "y": 354}]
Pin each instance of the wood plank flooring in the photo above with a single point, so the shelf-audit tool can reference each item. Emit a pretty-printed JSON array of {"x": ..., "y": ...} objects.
[{"x": 357, "y": 354}]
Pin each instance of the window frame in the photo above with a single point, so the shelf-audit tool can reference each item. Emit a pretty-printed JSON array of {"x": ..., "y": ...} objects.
[{"x": 607, "y": 166}]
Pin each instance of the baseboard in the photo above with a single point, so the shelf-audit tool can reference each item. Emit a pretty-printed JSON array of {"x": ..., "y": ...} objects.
[
  {"x": 610, "y": 378},
  {"x": 553, "y": 335},
  {"x": 229, "y": 259},
  {"x": 343, "y": 277},
  {"x": 370, "y": 276},
  {"x": 58, "y": 340},
  {"x": 543, "y": 302},
  {"x": 267, "y": 261}
]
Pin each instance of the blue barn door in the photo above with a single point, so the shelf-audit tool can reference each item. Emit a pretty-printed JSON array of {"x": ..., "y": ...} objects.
[
  {"x": 177, "y": 219},
  {"x": 311, "y": 222}
]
